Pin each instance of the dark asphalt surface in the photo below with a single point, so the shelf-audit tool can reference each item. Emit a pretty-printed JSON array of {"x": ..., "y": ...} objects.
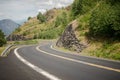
[{"x": 12, "y": 68}]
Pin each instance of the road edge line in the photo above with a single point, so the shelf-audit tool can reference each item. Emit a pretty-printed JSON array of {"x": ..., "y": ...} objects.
[
  {"x": 78, "y": 61},
  {"x": 85, "y": 56},
  {"x": 35, "y": 68}
]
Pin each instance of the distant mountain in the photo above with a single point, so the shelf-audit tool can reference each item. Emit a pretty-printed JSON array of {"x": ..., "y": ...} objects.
[{"x": 8, "y": 26}]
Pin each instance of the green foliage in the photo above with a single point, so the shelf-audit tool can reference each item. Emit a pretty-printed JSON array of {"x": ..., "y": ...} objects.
[
  {"x": 47, "y": 35},
  {"x": 25, "y": 33},
  {"x": 41, "y": 17},
  {"x": 108, "y": 50},
  {"x": 2, "y": 38},
  {"x": 18, "y": 29},
  {"x": 113, "y": 2},
  {"x": 35, "y": 36},
  {"x": 80, "y": 7},
  {"x": 105, "y": 21},
  {"x": 88, "y": 5},
  {"x": 29, "y": 18},
  {"x": 76, "y": 7},
  {"x": 57, "y": 21},
  {"x": 61, "y": 20},
  {"x": 2, "y": 49},
  {"x": 27, "y": 42}
]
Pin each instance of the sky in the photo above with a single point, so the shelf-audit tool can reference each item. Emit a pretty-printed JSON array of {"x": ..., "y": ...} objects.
[{"x": 20, "y": 10}]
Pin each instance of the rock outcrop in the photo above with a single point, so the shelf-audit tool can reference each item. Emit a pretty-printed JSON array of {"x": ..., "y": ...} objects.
[
  {"x": 69, "y": 40},
  {"x": 15, "y": 38}
]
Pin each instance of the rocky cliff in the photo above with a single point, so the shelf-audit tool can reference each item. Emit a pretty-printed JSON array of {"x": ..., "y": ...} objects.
[{"x": 69, "y": 39}]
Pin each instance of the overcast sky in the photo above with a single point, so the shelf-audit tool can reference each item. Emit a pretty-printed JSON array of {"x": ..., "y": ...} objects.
[{"x": 20, "y": 10}]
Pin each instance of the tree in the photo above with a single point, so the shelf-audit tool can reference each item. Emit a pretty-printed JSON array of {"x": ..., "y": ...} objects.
[
  {"x": 76, "y": 7},
  {"x": 61, "y": 20},
  {"x": 29, "y": 18},
  {"x": 105, "y": 21},
  {"x": 2, "y": 38},
  {"x": 41, "y": 17}
]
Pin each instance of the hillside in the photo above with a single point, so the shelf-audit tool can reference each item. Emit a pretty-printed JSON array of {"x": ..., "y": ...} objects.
[
  {"x": 33, "y": 28},
  {"x": 98, "y": 26},
  {"x": 8, "y": 26}
]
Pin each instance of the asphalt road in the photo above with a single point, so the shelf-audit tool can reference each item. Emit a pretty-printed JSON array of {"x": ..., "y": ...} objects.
[{"x": 43, "y": 63}]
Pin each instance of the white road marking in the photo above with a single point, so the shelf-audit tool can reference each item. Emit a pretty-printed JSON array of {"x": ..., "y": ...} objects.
[
  {"x": 52, "y": 47},
  {"x": 37, "y": 69},
  {"x": 83, "y": 62}
]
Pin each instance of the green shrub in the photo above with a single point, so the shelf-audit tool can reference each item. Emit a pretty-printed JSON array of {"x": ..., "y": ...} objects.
[
  {"x": 18, "y": 29},
  {"x": 41, "y": 17},
  {"x": 76, "y": 7},
  {"x": 47, "y": 35},
  {"x": 61, "y": 20},
  {"x": 2, "y": 38},
  {"x": 105, "y": 21},
  {"x": 29, "y": 18}
]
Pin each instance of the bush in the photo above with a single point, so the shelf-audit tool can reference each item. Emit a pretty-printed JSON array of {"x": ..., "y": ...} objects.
[
  {"x": 18, "y": 29},
  {"x": 61, "y": 20},
  {"x": 76, "y": 7},
  {"x": 29, "y": 18},
  {"x": 105, "y": 21},
  {"x": 2, "y": 38},
  {"x": 41, "y": 17},
  {"x": 47, "y": 35}
]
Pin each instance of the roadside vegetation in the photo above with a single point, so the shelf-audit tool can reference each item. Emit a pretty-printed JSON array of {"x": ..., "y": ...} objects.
[
  {"x": 98, "y": 20},
  {"x": 2, "y": 38},
  {"x": 26, "y": 42},
  {"x": 2, "y": 41},
  {"x": 99, "y": 26},
  {"x": 1, "y": 50}
]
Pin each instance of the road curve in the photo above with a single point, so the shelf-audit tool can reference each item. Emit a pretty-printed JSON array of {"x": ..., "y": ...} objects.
[{"x": 56, "y": 65}]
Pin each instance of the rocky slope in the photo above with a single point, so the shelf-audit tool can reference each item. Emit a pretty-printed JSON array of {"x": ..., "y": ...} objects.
[{"x": 69, "y": 40}]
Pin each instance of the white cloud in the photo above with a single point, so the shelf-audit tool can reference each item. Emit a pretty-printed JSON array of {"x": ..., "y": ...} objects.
[
  {"x": 59, "y": 5},
  {"x": 42, "y": 10},
  {"x": 50, "y": 2},
  {"x": 1, "y": 14},
  {"x": 21, "y": 9}
]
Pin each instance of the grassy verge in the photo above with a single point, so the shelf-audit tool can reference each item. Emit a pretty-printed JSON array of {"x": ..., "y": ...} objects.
[
  {"x": 98, "y": 49},
  {"x": 2, "y": 49},
  {"x": 104, "y": 50},
  {"x": 26, "y": 42}
]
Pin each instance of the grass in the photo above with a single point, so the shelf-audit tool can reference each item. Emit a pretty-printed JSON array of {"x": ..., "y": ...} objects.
[
  {"x": 2, "y": 49},
  {"x": 103, "y": 50},
  {"x": 27, "y": 42}
]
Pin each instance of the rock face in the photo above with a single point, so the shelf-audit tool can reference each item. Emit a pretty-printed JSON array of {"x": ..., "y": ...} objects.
[
  {"x": 69, "y": 40},
  {"x": 15, "y": 38}
]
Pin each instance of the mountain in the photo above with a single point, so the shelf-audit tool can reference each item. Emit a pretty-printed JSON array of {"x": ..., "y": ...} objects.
[{"x": 8, "y": 26}]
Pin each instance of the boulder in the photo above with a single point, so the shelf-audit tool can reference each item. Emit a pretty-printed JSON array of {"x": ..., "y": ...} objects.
[{"x": 69, "y": 39}]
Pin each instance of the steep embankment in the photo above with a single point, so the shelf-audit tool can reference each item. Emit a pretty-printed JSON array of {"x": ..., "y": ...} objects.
[{"x": 98, "y": 28}]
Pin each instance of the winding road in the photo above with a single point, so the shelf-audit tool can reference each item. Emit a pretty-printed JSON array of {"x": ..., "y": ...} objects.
[{"x": 43, "y": 62}]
